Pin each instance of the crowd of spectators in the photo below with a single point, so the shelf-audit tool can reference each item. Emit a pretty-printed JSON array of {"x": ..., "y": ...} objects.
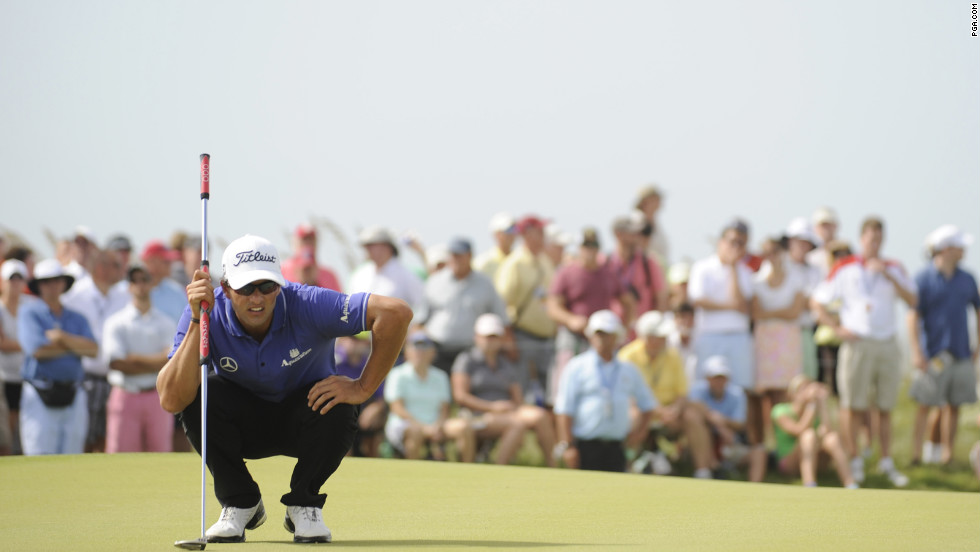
[{"x": 610, "y": 358}]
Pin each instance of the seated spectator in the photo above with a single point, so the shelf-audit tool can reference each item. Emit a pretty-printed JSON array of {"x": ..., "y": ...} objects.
[
  {"x": 485, "y": 383},
  {"x": 593, "y": 401},
  {"x": 803, "y": 440},
  {"x": 663, "y": 370},
  {"x": 351, "y": 354},
  {"x": 725, "y": 411},
  {"x": 419, "y": 398}
]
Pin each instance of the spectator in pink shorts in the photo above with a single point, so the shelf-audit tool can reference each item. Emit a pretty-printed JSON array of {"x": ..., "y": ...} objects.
[{"x": 136, "y": 341}]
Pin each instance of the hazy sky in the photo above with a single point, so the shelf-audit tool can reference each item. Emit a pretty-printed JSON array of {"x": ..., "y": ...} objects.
[{"x": 432, "y": 116}]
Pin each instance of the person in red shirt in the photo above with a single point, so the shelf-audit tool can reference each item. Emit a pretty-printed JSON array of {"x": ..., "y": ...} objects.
[{"x": 302, "y": 266}]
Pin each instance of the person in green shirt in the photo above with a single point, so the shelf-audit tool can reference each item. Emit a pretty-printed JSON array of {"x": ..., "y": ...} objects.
[{"x": 803, "y": 440}]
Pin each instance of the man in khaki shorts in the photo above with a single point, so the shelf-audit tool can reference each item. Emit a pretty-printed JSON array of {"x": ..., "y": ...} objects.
[{"x": 867, "y": 287}]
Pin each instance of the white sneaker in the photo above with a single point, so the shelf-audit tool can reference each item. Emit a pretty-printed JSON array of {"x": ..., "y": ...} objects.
[
  {"x": 642, "y": 462},
  {"x": 661, "y": 466},
  {"x": 857, "y": 469},
  {"x": 233, "y": 522},
  {"x": 702, "y": 473},
  {"x": 886, "y": 466},
  {"x": 306, "y": 524}
]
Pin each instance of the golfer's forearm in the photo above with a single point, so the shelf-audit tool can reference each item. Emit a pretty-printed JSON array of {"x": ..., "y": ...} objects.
[
  {"x": 389, "y": 319},
  {"x": 180, "y": 377}
]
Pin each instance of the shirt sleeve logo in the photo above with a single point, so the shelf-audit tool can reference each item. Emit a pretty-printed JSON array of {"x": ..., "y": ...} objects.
[
  {"x": 346, "y": 312},
  {"x": 228, "y": 364}
]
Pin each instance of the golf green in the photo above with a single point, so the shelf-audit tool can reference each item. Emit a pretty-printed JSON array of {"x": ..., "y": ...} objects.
[{"x": 148, "y": 501}]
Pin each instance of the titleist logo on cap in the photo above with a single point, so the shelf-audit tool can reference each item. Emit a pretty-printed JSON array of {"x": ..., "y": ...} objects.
[{"x": 253, "y": 256}]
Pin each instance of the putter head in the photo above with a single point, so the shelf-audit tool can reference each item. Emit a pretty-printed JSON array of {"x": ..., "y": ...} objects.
[{"x": 196, "y": 544}]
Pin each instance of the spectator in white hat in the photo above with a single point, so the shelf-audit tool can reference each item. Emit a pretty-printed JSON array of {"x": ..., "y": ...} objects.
[
  {"x": 825, "y": 225},
  {"x": 663, "y": 369},
  {"x": 53, "y": 409},
  {"x": 503, "y": 228},
  {"x": 593, "y": 402},
  {"x": 384, "y": 272},
  {"x": 945, "y": 376},
  {"x": 799, "y": 240},
  {"x": 487, "y": 384}
]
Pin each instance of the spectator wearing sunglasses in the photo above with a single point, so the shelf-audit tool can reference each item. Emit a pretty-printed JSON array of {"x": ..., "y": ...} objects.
[{"x": 273, "y": 389}]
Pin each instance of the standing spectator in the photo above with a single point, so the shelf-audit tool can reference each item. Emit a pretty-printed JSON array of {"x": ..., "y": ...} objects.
[
  {"x": 304, "y": 261},
  {"x": 96, "y": 297},
  {"x": 663, "y": 369},
  {"x": 454, "y": 299},
  {"x": 720, "y": 289},
  {"x": 385, "y": 274},
  {"x": 53, "y": 409},
  {"x": 870, "y": 360},
  {"x": 580, "y": 288},
  {"x": 419, "y": 400},
  {"x": 503, "y": 228},
  {"x": 593, "y": 402},
  {"x": 188, "y": 254},
  {"x": 486, "y": 384},
  {"x": 827, "y": 341},
  {"x": 648, "y": 201},
  {"x": 135, "y": 343},
  {"x": 122, "y": 247},
  {"x": 939, "y": 337},
  {"x": 641, "y": 275},
  {"x": 678, "y": 275},
  {"x": 682, "y": 338},
  {"x": 802, "y": 436},
  {"x": 166, "y": 295},
  {"x": 13, "y": 278},
  {"x": 777, "y": 302},
  {"x": 825, "y": 224},
  {"x": 726, "y": 412},
  {"x": 799, "y": 240},
  {"x": 555, "y": 243},
  {"x": 81, "y": 252},
  {"x": 523, "y": 281}
]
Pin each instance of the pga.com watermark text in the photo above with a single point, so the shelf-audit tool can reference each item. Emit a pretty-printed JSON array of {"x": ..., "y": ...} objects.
[{"x": 973, "y": 19}]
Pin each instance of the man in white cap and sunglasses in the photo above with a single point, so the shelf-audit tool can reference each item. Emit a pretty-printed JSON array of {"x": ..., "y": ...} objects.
[{"x": 272, "y": 387}]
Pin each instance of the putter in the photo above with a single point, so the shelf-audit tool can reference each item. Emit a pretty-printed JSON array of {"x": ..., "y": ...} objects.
[{"x": 200, "y": 543}]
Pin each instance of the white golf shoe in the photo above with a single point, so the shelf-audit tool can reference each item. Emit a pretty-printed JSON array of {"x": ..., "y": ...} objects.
[
  {"x": 233, "y": 522},
  {"x": 306, "y": 524}
]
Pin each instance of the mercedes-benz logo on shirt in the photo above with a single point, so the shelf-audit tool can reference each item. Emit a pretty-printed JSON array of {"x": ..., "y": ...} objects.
[{"x": 228, "y": 364}]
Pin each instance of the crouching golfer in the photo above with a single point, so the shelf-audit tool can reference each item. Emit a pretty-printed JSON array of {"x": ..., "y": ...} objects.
[{"x": 272, "y": 389}]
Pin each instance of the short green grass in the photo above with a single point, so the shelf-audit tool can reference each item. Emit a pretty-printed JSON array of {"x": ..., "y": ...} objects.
[{"x": 147, "y": 501}]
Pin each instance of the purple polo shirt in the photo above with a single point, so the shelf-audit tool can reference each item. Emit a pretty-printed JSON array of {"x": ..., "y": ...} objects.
[
  {"x": 942, "y": 309},
  {"x": 297, "y": 351}
]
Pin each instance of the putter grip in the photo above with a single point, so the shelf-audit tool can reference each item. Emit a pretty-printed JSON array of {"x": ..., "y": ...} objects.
[{"x": 205, "y": 176}]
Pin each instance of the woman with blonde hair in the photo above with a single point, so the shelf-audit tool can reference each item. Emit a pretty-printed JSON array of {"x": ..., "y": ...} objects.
[{"x": 803, "y": 440}]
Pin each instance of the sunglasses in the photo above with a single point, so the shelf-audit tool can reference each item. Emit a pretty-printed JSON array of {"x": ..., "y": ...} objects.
[
  {"x": 265, "y": 288},
  {"x": 140, "y": 280}
]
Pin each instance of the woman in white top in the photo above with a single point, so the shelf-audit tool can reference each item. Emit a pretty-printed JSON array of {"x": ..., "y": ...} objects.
[
  {"x": 14, "y": 279},
  {"x": 777, "y": 302}
]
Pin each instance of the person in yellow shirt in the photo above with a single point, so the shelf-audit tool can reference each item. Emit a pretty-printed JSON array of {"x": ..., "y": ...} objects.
[{"x": 663, "y": 369}]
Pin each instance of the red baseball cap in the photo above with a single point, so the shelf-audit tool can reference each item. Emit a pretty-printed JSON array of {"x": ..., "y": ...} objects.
[
  {"x": 157, "y": 249},
  {"x": 530, "y": 221},
  {"x": 305, "y": 230}
]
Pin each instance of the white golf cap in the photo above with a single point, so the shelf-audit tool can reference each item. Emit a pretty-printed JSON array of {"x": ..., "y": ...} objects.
[
  {"x": 503, "y": 222},
  {"x": 489, "y": 324},
  {"x": 655, "y": 324},
  {"x": 679, "y": 273},
  {"x": 824, "y": 214},
  {"x": 716, "y": 366},
  {"x": 49, "y": 269},
  {"x": 800, "y": 229},
  {"x": 251, "y": 259},
  {"x": 604, "y": 321},
  {"x": 11, "y": 267},
  {"x": 947, "y": 236}
]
